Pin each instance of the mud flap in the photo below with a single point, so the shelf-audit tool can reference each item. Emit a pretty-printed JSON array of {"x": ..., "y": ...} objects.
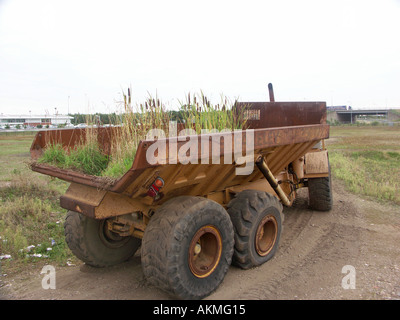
[{"x": 316, "y": 164}]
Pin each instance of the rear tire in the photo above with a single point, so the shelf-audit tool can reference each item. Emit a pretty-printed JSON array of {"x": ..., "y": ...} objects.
[
  {"x": 320, "y": 193},
  {"x": 187, "y": 247},
  {"x": 90, "y": 242},
  {"x": 257, "y": 219}
]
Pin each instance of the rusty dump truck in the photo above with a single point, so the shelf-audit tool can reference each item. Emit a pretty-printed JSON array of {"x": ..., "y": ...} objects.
[{"x": 192, "y": 220}]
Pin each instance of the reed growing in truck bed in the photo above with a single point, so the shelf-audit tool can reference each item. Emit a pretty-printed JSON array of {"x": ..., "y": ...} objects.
[{"x": 196, "y": 113}]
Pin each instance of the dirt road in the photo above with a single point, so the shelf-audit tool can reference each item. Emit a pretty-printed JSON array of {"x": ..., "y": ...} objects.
[{"x": 314, "y": 248}]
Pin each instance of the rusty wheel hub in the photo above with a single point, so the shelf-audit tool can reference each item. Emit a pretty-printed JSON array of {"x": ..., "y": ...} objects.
[
  {"x": 110, "y": 238},
  {"x": 266, "y": 235},
  {"x": 205, "y": 251}
]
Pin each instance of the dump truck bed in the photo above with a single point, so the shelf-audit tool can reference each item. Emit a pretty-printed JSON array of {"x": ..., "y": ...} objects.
[{"x": 279, "y": 144}]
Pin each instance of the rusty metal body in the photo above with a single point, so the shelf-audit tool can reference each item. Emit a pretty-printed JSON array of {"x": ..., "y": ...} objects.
[{"x": 285, "y": 134}]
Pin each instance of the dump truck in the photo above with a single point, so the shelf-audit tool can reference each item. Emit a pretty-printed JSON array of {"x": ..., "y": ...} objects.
[{"x": 192, "y": 219}]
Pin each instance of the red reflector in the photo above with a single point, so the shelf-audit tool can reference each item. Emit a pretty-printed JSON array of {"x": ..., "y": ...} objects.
[
  {"x": 155, "y": 187},
  {"x": 159, "y": 182}
]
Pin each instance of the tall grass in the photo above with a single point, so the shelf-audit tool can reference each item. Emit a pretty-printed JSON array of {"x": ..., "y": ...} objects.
[
  {"x": 136, "y": 122},
  {"x": 86, "y": 157},
  {"x": 198, "y": 114}
]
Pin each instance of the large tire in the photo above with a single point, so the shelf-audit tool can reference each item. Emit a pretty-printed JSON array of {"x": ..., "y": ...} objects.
[
  {"x": 88, "y": 240},
  {"x": 257, "y": 219},
  {"x": 187, "y": 247},
  {"x": 320, "y": 193}
]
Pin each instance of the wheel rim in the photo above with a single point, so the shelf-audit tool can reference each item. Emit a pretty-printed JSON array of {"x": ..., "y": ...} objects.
[
  {"x": 205, "y": 251},
  {"x": 111, "y": 239},
  {"x": 266, "y": 235}
]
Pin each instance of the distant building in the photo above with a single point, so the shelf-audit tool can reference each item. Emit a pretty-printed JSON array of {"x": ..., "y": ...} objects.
[{"x": 34, "y": 120}]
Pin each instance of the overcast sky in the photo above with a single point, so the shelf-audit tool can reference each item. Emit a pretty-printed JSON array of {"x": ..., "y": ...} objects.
[{"x": 84, "y": 53}]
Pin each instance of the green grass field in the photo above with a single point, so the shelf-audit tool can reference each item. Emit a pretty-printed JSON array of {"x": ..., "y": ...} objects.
[
  {"x": 367, "y": 160},
  {"x": 31, "y": 220}
]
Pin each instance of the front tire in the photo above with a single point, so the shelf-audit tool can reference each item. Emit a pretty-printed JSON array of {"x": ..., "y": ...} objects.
[
  {"x": 91, "y": 242},
  {"x": 187, "y": 247}
]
